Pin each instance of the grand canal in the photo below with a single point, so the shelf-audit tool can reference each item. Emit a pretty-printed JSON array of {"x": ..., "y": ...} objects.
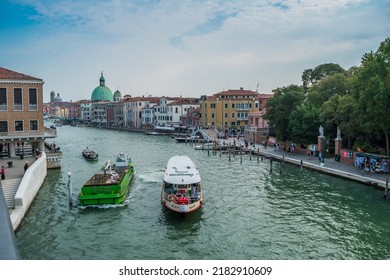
[{"x": 249, "y": 213}]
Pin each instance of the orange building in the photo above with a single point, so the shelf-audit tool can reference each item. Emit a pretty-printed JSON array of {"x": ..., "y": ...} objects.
[{"x": 21, "y": 114}]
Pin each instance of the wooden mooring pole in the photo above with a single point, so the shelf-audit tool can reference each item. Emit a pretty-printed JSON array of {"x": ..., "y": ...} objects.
[
  {"x": 258, "y": 154},
  {"x": 301, "y": 166},
  {"x": 270, "y": 162},
  {"x": 250, "y": 153},
  {"x": 241, "y": 154}
]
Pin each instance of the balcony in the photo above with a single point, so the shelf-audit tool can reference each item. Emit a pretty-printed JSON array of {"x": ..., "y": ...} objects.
[
  {"x": 47, "y": 133},
  {"x": 3, "y": 107},
  {"x": 242, "y": 118},
  {"x": 18, "y": 107},
  {"x": 33, "y": 107}
]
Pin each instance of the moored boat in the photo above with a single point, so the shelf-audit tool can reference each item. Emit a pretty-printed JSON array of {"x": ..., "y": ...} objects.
[
  {"x": 189, "y": 139},
  {"x": 206, "y": 146},
  {"x": 109, "y": 186},
  {"x": 90, "y": 154},
  {"x": 181, "y": 189}
]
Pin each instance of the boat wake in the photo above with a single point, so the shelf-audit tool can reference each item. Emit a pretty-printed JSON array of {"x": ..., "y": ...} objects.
[
  {"x": 152, "y": 177},
  {"x": 106, "y": 206}
]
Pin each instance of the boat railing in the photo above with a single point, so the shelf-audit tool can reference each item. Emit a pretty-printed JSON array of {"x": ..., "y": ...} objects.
[{"x": 192, "y": 198}]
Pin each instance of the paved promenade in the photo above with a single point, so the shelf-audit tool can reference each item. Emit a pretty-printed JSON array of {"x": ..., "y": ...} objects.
[
  {"x": 17, "y": 169},
  {"x": 331, "y": 166}
]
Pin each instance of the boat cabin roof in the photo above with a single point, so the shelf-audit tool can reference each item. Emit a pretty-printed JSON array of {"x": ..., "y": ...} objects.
[
  {"x": 121, "y": 160},
  {"x": 181, "y": 170}
]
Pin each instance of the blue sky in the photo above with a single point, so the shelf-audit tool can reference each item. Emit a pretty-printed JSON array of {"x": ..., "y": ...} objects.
[{"x": 187, "y": 48}]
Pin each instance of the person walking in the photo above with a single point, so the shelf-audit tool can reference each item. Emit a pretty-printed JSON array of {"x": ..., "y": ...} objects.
[
  {"x": 26, "y": 166},
  {"x": 2, "y": 172}
]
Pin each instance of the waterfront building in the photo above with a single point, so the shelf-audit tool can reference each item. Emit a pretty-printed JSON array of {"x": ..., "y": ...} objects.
[
  {"x": 74, "y": 112},
  {"x": 191, "y": 119},
  {"x": 161, "y": 117},
  {"x": 133, "y": 108},
  {"x": 21, "y": 113},
  {"x": 85, "y": 110},
  {"x": 99, "y": 113},
  {"x": 228, "y": 111},
  {"x": 147, "y": 114},
  {"x": 57, "y": 107},
  {"x": 169, "y": 111},
  {"x": 118, "y": 112},
  {"x": 257, "y": 129}
]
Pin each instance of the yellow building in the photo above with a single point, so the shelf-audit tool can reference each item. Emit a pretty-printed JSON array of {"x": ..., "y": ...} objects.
[{"x": 228, "y": 110}]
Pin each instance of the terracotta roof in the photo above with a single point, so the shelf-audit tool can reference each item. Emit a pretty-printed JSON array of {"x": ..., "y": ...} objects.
[
  {"x": 6, "y": 74},
  {"x": 182, "y": 101},
  {"x": 238, "y": 92},
  {"x": 265, "y": 95},
  {"x": 151, "y": 99}
]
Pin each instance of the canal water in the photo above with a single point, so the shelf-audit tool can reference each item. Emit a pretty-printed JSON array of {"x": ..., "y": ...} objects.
[{"x": 249, "y": 213}]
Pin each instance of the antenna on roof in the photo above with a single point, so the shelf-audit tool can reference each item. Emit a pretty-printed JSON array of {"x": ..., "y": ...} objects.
[{"x": 257, "y": 87}]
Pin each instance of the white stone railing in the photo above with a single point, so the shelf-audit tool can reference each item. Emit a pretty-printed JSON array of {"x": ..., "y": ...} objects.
[{"x": 28, "y": 188}]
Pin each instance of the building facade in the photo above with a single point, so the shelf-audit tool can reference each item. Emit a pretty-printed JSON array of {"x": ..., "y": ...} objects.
[
  {"x": 257, "y": 129},
  {"x": 228, "y": 111},
  {"x": 21, "y": 113}
]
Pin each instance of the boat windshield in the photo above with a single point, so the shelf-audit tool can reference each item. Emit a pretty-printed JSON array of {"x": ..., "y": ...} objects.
[{"x": 121, "y": 158}]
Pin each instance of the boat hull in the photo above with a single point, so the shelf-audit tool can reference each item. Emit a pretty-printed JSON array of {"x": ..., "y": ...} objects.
[
  {"x": 90, "y": 155},
  {"x": 106, "y": 193}
]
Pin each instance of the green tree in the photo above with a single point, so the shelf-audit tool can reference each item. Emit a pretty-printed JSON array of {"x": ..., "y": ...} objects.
[
  {"x": 373, "y": 91},
  {"x": 304, "y": 123},
  {"x": 279, "y": 108},
  {"x": 326, "y": 88},
  {"x": 313, "y": 76},
  {"x": 340, "y": 111}
]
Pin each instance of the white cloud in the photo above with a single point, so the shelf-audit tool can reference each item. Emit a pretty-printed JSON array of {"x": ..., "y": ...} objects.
[{"x": 193, "y": 47}]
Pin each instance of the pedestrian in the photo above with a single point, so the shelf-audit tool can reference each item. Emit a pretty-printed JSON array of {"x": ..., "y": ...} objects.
[
  {"x": 2, "y": 172},
  {"x": 320, "y": 156},
  {"x": 26, "y": 166}
]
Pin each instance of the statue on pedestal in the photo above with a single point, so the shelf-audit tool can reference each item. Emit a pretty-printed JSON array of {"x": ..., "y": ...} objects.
[
  {"x": 321, "y": 130},
  {"x": 338, "y": 133}
]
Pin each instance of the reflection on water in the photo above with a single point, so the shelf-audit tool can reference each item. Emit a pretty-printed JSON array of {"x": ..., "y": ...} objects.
[{"x": 248, "y": 213}]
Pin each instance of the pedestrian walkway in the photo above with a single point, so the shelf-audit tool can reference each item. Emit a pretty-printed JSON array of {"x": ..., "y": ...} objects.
[
  {"x": 331, "y": 166},
  {"x": 16, "y": 168}
]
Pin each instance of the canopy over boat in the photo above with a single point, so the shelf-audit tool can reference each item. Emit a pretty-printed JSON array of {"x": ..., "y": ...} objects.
[{"x": 181, "y": 170}]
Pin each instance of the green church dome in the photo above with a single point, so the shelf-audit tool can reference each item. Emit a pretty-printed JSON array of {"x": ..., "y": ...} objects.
[
  {"x": 102, "y": 93},
  {"x": 117, "y": 95}
]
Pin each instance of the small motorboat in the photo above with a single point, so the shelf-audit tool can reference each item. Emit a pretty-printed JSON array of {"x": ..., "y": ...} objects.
[{"x": 90, "y": 154}]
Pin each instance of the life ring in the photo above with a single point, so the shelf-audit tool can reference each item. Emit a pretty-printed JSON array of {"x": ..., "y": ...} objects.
[{"x": 172, "y": 198}]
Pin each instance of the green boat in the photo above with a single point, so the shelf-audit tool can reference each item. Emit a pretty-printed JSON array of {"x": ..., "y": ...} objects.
[{"x": 111, "y": 185}]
